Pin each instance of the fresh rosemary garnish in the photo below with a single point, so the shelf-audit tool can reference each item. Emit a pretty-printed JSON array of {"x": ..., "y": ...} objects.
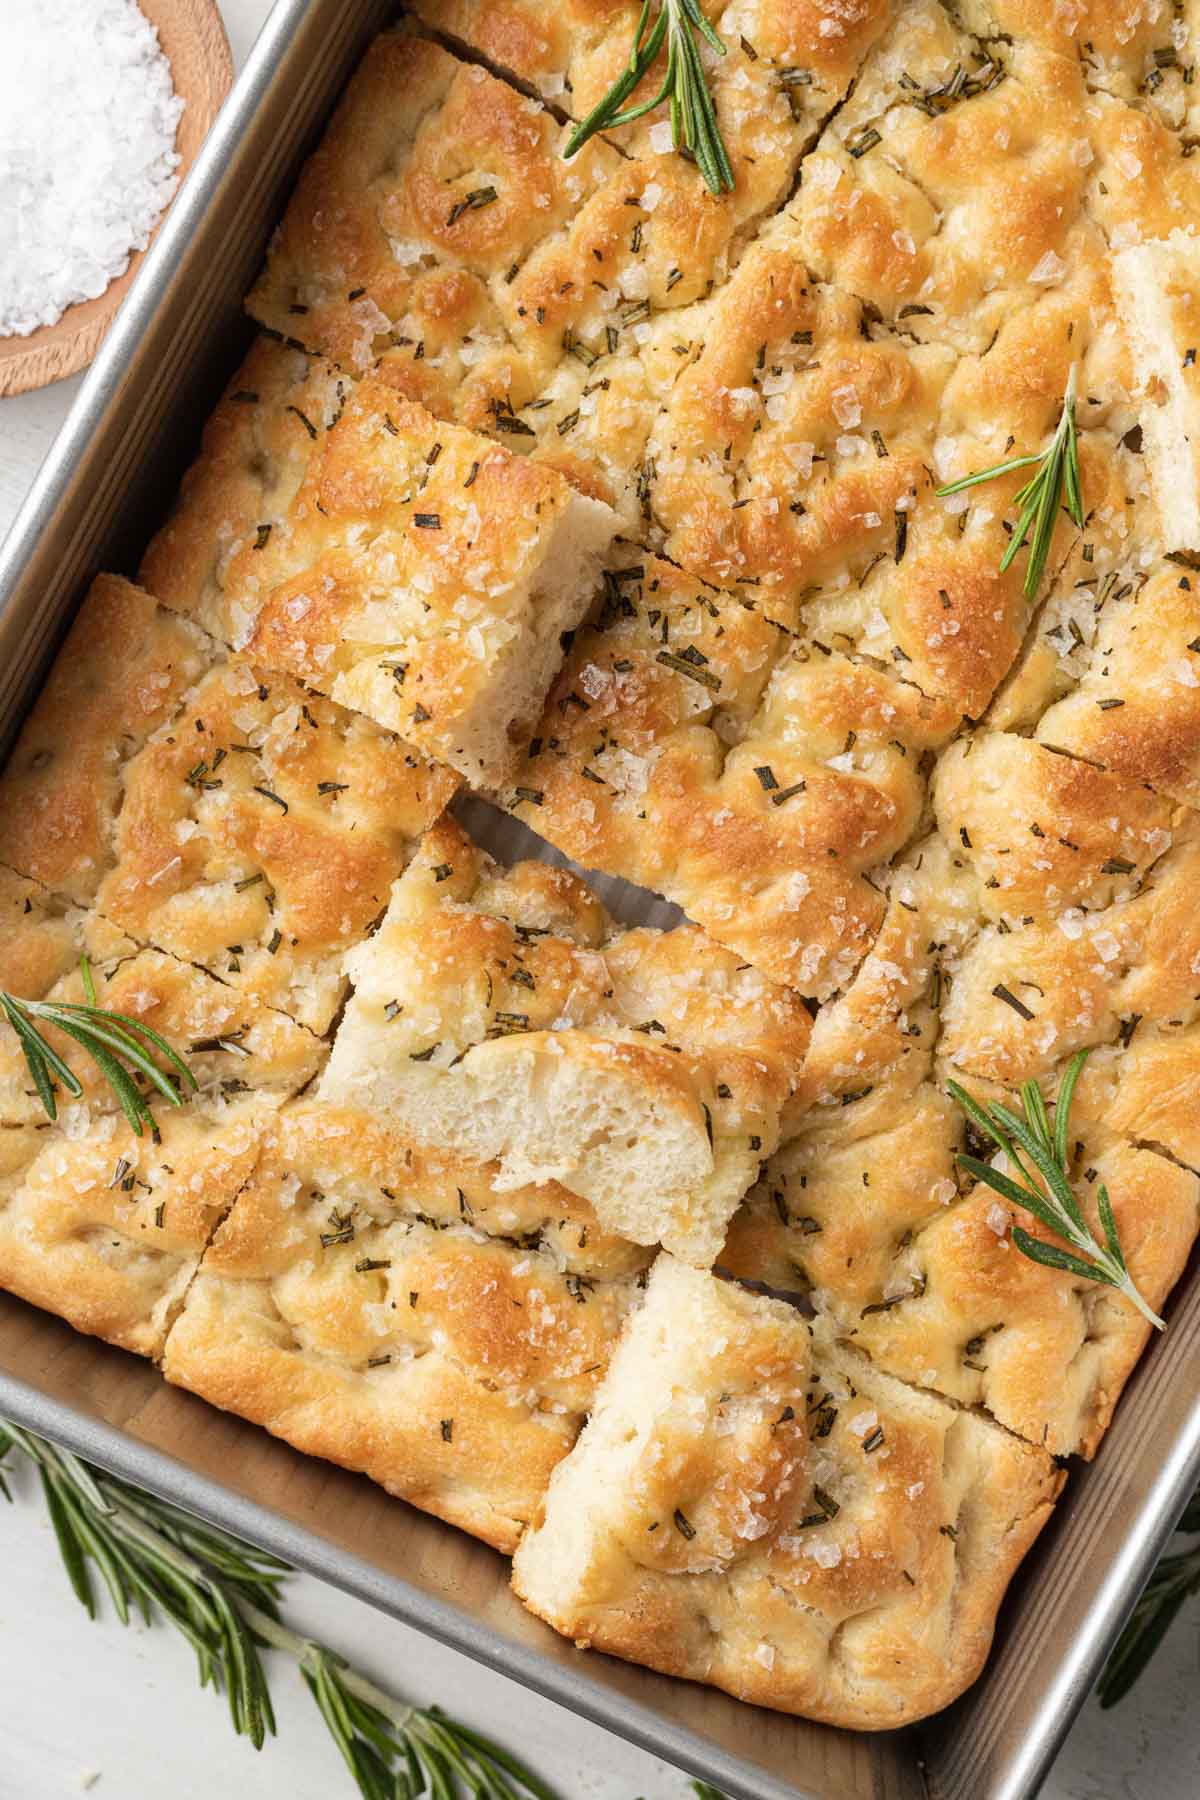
[
  {"x": 111, "y": 1039},
  {"x": 1055, "y": 484},
  {"x": 694, "y": 124},
  {"x": 223, "y": 1597},
  {"x": 1052, "y": 1199},
  {"x": 1175, "y": 1579}
]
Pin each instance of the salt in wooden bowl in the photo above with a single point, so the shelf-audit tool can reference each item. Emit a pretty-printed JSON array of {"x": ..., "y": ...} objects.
[{"x": 193, "y": 40}]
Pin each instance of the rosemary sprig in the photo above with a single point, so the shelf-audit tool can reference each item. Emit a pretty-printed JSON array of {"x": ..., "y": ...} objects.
[
  {"x": 112, "y": 1040},
  {"x": 1055, "y": 484},
  {"x": 1175, "y": 1579},
  {"x": 223, "y": 1597},
  {"x": 694, "y": 124},
  {"x": 1050, "y": 1199}
]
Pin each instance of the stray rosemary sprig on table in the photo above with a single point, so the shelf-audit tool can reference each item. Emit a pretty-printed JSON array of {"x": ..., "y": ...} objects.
[
  {"x": 1055, "y": 484},
  {"x": 1052, "y": 1200},
  {"x": 111, "y": 1039},
  {"x": 694, "y": 124},
  {"x": 223, "y": 1597},
  {"x": 1175, "y": 1579}
]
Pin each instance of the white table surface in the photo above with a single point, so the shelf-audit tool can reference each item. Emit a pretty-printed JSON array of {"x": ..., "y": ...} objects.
[{"x": 93, "y": 1708}]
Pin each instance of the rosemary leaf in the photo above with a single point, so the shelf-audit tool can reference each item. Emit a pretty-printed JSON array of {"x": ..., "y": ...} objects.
[
  {"x": 222, "y": 1596},
  {"x": 1047, "y": 1193},
  {"x": 1056, "y": 484},
  {"x": 116, "y": 1043},
  {"x": 694, "y": 125}
]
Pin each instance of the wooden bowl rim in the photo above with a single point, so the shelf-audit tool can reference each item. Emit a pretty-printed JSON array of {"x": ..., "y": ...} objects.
[{"x": 193, "y": 39}]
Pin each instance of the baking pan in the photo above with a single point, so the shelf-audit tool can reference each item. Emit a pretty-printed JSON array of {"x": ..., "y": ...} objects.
[{"x": 100, "y": 493}]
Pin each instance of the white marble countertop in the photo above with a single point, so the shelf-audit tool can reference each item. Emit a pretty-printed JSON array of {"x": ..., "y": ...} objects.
[{"x": 94, "y": 1708}]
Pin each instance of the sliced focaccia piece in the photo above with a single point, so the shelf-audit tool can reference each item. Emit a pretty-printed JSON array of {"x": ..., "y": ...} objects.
[
  {"x": 256, "y": 830},
  {"x": 99, "y": 1223},
  {"x": 119, "y": 675},
  {"x": 105, "y": 1228},
  {"x": 421, "y": 575},
  {"x": 253, "y": 456},
  {"x": 961, "y": 1310},
  {"x": 233, "y": 1044},
  {"x": 502, "y": 1014},
  {"x": 870, "y": 1226},
  {"x": 1071, "y": 977},
  {"x": 691, "y": 745},
  {"x": 389, "y": 1308},
  {"x": 1157, "y": 282},
  {"x": 778, "y": 1519},
  {"x": 438, "y": 235},
  {"x": 259, "y": 833},
  {"x": 952, "y": 190}
]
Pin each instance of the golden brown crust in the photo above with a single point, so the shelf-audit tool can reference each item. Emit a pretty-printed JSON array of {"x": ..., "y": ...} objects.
[
  {"x": 645, "y": 1069},
  {"x": 260, "y": 832},
  {"x": 829, "y": 729},
  {"x": 1130, "y": 691},
  {"x": 409, "y": 568},
  {"x": 783, "y": 68},
  {"x": 233, "y": 1044},
  {"x": 792, "y": 1526},
  {"x": 353, "y": 1304},
  {"x": 691, "y": 745},
  {"x": 106, "y": 1229}
]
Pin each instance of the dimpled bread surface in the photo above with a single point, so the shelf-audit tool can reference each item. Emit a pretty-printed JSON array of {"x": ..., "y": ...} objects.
[{"x": 644, "y": 1252}]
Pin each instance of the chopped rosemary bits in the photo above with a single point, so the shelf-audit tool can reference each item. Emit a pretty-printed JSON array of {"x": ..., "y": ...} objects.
[{"x": 478, "y": 197}]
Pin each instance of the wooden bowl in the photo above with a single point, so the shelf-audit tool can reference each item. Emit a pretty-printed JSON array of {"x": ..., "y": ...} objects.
[{"x": 194, "y": 42}]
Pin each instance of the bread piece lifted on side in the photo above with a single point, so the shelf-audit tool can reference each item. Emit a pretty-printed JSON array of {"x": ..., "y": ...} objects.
[
  {"x": 502, "y": 1014},
  {"x": 758, "y": 1508},
  {"x": 409, "y": 569}
]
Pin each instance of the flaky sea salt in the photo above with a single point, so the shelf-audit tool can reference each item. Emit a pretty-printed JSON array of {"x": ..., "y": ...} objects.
[{"x": 88, "y": 116}]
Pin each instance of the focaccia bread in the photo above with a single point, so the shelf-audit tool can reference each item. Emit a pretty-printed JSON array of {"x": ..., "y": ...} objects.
[
  {"x": 253, "y": 456},
  {"x": 501, "y": 1013},
  {"x": 418, "y": 573},
  {"x": 920, "y": 1272},
  {"x": 755, "y": 777},
  {"x": 228, "y": 817},
  {"x": 391, "y": 1309},
  {"x": 1050, "y": 915},
  {"x": 438, "y": 236},
  {"x": 99, "y": 1223},
  {"x": 775, "y": 1516},
  {"x": 650, "y": 1254},
  {"x": 43, "y": 935}
]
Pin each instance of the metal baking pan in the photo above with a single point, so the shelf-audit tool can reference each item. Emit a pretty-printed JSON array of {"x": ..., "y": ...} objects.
[{"x": 102, "y": 490}]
